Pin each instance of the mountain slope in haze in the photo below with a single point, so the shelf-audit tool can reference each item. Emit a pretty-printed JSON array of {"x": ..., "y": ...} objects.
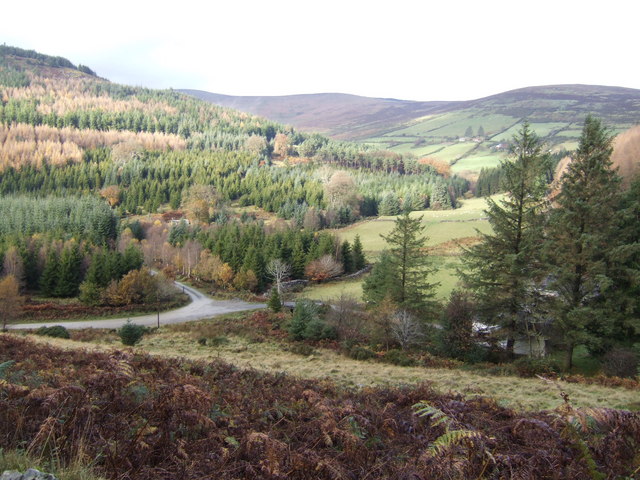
[
  {"x": 469, "y": 135},
  {"x": 338, "y": 115}
]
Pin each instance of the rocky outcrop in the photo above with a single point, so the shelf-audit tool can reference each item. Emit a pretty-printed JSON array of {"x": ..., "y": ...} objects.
[{"x": 31, "y": 474}]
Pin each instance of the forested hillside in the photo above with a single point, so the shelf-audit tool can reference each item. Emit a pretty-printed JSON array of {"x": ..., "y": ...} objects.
[
  {"x": 114, "y": 152},
  {"x": 468, "y": 135},
  {"x": 85, "y": 133}
]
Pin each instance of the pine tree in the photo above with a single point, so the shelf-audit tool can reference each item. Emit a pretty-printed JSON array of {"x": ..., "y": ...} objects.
[
  {"x": 298, "y": 259},
  {"x": 274, "y": 302},
  {"x": 347, "y": 257},
  {"x": 502, "y": 268},
  {"x": 404, "y": 277},
  {"x": 49, "y": 277},
  {"x": 622, "y": 298},
  {"x": 69, "y": 278},
  {"x": 381, "y": 282},
  {"x": 359, "y": 260},
  {"x": 582, "y": 233}
]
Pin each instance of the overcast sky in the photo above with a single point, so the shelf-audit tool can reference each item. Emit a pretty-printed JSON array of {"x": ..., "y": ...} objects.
[{"x": 418, "y": 50}]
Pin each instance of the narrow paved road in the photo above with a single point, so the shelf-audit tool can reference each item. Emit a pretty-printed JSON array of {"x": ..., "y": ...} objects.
[{"x": 199, "y": 308}]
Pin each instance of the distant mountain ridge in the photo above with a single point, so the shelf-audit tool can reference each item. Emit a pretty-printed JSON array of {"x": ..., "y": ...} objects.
[
  {"x": 355, "y": 117},
  {"x": 339, "y": 115},
  {"x": 468, "y": 135}
]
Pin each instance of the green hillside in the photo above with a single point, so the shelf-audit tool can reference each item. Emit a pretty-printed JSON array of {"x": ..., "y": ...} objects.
[{"x": 467, "y": 135}]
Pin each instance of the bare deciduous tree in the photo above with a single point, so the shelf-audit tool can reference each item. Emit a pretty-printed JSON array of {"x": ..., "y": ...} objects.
[
  {"x": 406, "y": 330},
  {"x": 279, "y": 271}
]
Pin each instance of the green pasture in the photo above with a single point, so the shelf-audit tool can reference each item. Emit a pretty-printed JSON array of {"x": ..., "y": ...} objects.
[
  {"x": 541, "y": 129},
  {"x": 455, "y": 124},
  {"x": 476, "y": 162},
  {"x": 441, "y": 226},
  {"x": 446, "y": 276}
]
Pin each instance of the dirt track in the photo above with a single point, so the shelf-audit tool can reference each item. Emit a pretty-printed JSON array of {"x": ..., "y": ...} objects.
[{"x": 200, "y": 307}]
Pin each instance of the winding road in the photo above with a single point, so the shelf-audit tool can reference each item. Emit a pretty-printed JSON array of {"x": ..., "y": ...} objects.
[{"x": 200, "y": 307}]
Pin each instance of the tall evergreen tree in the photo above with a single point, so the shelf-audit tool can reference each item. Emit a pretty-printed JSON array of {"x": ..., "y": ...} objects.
[
  {"x": 347, "y": 257},
  {"x": 69, "y": 278},
  {"x": 621, "y": 299},
  {"x": 502, "y": 268},
  {"x": 298, "y": 259},
  {"x": 407, "y": 268},
  {"x": 581, "y": 236},
  {"x": 359, "y": 260},
  {"x": 50, "y": 273}
]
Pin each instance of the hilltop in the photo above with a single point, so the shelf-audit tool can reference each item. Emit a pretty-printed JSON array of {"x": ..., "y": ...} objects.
[
  {"x": 469, "y": 135},
  {"x": 338, "y": 115}
]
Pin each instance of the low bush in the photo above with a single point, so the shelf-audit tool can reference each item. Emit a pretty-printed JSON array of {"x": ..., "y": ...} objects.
[
  {"x": 300, "y": 349},
  {"x": 130, "y": 333},
  {"x": 57, "y": 331},
  {"x": 530, "y": 367},
  {"x": 398, "y": 357},
  {"x": 620, "y": 363},
  {"x": 358, "y": 352}
]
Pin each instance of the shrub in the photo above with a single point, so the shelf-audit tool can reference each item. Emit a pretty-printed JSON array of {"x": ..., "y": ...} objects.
[
  {"x": 530, "y": 367},
  {"x": 57, "y": 331},
  {"x": 398, "y": 357},
  {"x": 304, "y": 313},
  {"x": 90, "y": 293},
  {"x": 130, "y": 333},
  {"x": 620, "y": 363},
  {"x": 301, "y": 349},
  {"x": 274, "y": 302},
  {"x": 358, "y": 352},
  {"x": 318, "y": 330}
]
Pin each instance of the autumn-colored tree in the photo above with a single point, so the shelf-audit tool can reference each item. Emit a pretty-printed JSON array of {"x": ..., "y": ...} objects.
[
  {"x": 207, "y": 267},
  {"x": 281, "y": 145},
  {"x": 13, "y": 264},
  {"x": 224, "y": 276},
  {"x": 256, "y": 144},
  {"x": 626, "y": 154},
  {"x": 136, "y": 287},
  {"x": 323, "y": 268},
  {"x": 10, "y": 300},
  {"x": 245, "y": 280},
  {"x": 200, "y": 202},
  {"x": 112, "y": 194},
  {"x": 341, "y": 191}
]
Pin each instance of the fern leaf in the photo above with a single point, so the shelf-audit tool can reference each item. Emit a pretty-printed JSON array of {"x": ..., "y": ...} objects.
[
  {"x": 450, "y": 439},
  {"x": 5, "y": 366},
  {"x": 438, "y": 417}
]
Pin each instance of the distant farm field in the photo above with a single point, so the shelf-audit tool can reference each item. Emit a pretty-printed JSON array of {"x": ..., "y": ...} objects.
[{"x": 442, "y": 228}]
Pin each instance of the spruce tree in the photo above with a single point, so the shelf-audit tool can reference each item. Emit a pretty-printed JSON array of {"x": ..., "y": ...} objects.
[
  {"x": 405, "y": 275},
  {"x": 581, "y": 236},
  {"x": 502, "y": 268},
  {"x": 359, "y": 260},
  {"x": 347, "y": 257},
  {"x": 49, "y": 277},
  {"x": 621, "y": 298},
  {"x": 298, "y": 259},
  {"x": 274, "y": 303},
  {"x": 69, "y": 277}
]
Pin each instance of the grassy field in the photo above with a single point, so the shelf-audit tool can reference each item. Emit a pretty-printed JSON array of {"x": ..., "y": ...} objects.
[
  {"x": 470, "y": 166},
  {"x": 443, "y": 228},
  {"x": 519, "y": 393}
]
